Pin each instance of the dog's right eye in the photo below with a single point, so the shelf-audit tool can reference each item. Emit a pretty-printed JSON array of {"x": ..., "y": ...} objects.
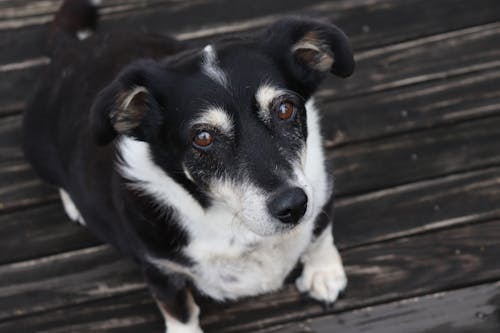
[{"x": 203, "y": 139}]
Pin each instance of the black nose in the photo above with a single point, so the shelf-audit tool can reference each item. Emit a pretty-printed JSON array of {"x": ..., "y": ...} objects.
[{"x": 288, "y": 205}]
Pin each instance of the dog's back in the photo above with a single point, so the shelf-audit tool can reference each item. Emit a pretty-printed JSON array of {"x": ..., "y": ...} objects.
[
  {"x": 57, "y": 138},
  {"x": 57, "y": 114}
]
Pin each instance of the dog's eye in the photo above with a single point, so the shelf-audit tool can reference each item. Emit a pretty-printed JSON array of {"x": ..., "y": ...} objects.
[
  {"x": 286, "y": 110},
  {"x": 203, "y": 139}
]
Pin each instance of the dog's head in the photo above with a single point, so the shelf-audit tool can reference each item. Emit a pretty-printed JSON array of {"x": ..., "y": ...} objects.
[{"x": 227, "y": 127}]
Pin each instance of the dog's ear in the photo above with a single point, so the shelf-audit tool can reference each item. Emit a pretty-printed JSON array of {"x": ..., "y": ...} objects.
[
  {"x": 308, "y": 49},
  {"x": 130, "y": 105}
]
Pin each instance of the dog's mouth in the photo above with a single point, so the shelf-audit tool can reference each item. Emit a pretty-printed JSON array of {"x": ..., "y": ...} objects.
[
  {"x": 264, "y": 213},
  {"x": 283, "y": 212}
]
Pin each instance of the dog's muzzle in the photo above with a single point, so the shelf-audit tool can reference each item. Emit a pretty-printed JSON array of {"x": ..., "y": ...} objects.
[{"x": 288, "y": 205}]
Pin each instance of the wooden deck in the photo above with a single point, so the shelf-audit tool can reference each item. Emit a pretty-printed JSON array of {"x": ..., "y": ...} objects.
[{"x": 415, "y": 139}]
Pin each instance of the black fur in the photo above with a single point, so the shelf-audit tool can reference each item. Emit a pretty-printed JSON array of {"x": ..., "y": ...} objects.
[{"x": 75, "y": 149}]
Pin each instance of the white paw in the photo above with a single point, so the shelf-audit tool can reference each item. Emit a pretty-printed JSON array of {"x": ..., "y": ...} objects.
[
  {"x": 323, "y": 276},
  {"x": 174, "y": 326},
  {"x": 70, "y": 208},
  {"x": 323, "y": 282}
]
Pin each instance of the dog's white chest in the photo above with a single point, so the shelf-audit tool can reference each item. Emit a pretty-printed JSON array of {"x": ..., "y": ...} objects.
[{"x": 242, "y": 266}]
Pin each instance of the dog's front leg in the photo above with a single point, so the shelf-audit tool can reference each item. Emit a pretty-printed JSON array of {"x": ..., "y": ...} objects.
[
  {"x": 175, "y": 301},
  {"x": 323, "y": 276}
]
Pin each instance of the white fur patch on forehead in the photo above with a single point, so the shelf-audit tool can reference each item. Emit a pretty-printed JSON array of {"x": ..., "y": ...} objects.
[
  {"x": 216, "y": 117},
  {"x": 265, "y": 96},
  {"x": 210, "y": 66}
]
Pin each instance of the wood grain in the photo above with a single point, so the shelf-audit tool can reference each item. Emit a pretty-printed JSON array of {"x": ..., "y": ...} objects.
[
  {"x": 65, "y": 278},
  {"x": 40, "y": 231},
  {"x": 411, "y": 108},
  {"x": 378, "y": 273},
  {"x": 20, "y": 187},
  {"x": 416, "y": 156},
  {"x": 388, "y": 69},
  {"x": 474, "y": 309},
  {"x": 365, "y": 21},
  {"x": 418, "y": 207}
]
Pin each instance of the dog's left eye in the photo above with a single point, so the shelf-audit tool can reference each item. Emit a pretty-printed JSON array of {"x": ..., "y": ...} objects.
[
  {"x": 203, "y": 139},
  {"x": 286, "y": 110}
]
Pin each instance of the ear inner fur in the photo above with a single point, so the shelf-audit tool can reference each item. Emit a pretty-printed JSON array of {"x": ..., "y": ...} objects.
[
  {"x": 313, "y": 51},
  {"x": 132, "y": 109}
]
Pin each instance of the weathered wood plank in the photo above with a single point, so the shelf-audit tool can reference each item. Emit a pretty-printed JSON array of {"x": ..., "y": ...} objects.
[
  {"x": 411, "y": 62},
  {"x": 16, "y": 87},
  {"x": 416, "y": 156},
  {"x": 378, "y": 273},
  {"x": 40, "y": 231},
  {"x": 410, "y": 108},
  {"x": 365, "y": 21},
  {"x": 131, "y": 313},
  {"x": 474, "y": 309},
  {"x": 417, "y": 208},
  {"x": 20, "y": 187},
  {"x": 10, "y": 132},
  {"x": 27, "y": 40},
  {"x": 378, "y": 70},
  {"x": 65, "y": 278}
]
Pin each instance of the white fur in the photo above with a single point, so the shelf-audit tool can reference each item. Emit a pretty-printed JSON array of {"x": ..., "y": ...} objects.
[
  {"x": 216, "y": 117},
  {"x": 323, "y": 276},
  {"x": 234, "y": 243},
  {"x": 192, "y": 326},
  {"x": 211, "y": 68},
  {"x": 313, "y": 159},
  {"x": 130, "y": 96},
  {"x": 232, "y": 260},
  {"x": 138, "y": 167},
  {"x": 235, "y": 261},
  {"x": 174, "y": 326},
  {"x": 187, "y": 173},
  {"x": 84, "y": 34},
  {"x": 265, "y": 96},
  {"x": 70, "y": 207}
]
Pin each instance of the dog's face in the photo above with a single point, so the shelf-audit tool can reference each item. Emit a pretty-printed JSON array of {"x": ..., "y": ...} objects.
[{"x": 228, "y": 123}]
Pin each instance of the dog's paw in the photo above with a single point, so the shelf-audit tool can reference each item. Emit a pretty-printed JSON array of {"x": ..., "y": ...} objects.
[
  {"x": 175, "y": 327},
  {"x": 323, "y": 279}
]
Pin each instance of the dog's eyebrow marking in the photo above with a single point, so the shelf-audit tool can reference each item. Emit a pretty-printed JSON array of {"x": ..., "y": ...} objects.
[
  {"x": 210, "y": 66},
  {"x": 265, "y": 95},
  {"x": 216, "y": 117}
]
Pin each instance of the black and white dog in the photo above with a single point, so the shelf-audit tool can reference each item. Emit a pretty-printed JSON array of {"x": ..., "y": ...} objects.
[{"x": 205, "y": 164}]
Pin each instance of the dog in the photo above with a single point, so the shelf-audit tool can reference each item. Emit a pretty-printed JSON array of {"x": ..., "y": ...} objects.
[{"x": 204, "y": 163}]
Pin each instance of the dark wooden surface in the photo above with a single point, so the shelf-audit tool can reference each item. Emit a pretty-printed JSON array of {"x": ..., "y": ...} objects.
[{"x": 414, "y": 136}]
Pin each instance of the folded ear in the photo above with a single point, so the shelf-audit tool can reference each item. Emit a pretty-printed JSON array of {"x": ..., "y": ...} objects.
[
  {"x": 308, "y": 49},
  {"x": 130, "y": 105}
]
